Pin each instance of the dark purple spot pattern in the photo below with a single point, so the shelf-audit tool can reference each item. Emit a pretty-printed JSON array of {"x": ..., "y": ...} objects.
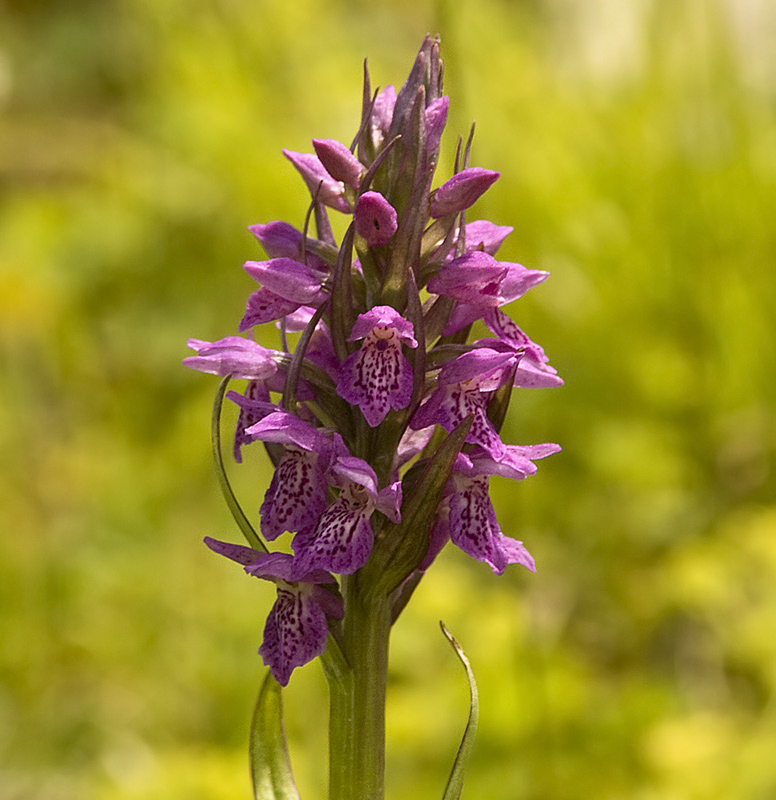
[
  {"x": 295, "y": 632},
  {"x": 296, "y": 496},
  {"x": 377, "y": 377},
  {"x": 475, "y": 529},
  {"x": 343, "y": 539}
]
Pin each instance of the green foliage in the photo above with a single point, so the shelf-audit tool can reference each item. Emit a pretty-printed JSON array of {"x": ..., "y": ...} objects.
[
  {"x": 270, "y": 764},
  {"x": 636, "y": 144}
]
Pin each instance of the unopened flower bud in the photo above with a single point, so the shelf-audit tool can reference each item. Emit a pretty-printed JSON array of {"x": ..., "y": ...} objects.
[
  {"x": 375, "y": 218},
  {"x": 462, "y": 191},
  {"x": 339, "y": 162}
]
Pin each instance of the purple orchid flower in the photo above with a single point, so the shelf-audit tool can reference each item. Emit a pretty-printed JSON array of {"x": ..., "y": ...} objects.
[
  {"x": 296, "y": 628},
  {"x": 297, "y": 495},
  {"x": 467, "y": 517},
  {"x": 378, "y": 376},
  {"x": 479, "y": 282},
  {"x": 463, "y": 388},
  {"x": 343, "y": 539},
  {"x": 337, "y": 477}
]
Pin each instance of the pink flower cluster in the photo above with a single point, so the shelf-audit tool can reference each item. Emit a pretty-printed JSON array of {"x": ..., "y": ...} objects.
[{"x": 383, "y": 370}]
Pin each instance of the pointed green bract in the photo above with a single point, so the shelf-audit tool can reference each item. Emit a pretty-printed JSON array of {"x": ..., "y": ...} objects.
[
  {"x": 215, "y": 434},
  {"x": 455, "y": 782},
  {"x": 401, "y": 546},
  {"x": 270, "y": 765}
]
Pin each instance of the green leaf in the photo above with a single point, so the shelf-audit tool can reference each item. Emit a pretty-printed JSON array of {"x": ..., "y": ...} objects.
[
  {"x": 455, "y": 782},
  {"x": 400, "y": 547},
  {"x": 270, "y": 765},
  {"x": 215, "y": 436}
]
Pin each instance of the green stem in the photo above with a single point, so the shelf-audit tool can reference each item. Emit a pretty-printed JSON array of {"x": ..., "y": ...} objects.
[{"x": 357, "y": 700}]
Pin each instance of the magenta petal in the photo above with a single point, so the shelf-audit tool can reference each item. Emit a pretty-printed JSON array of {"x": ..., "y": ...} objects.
[
  {"x": 388, "y": 501},
  {"x": 356, "y": 470},
  {"x": 529, "y": 376},
  {"x": 515, "y": 552},
  {"x": 476, "y": 364},
  {"x": 279, "y": 239},
  {"x": 242, "y": 358},
  {"x": 519, "y": 280},
  {"x": 265, "y": 306},
  {"x": 484, "y": 235},
  {"x": 473, "y": 278},
  {"x": 289, "y": 279},
  {"x": 256, "y": 407},
  {"x": 383, "y": 317},
  {"x": 295, "y": 633},
  {"x": 318, "y": 180},
  {"x": 339, "y": 162},
  {"x": 286, "y": 428},
  {"x": 462, "y": 191},
  {"x": 236, "y": 552}
]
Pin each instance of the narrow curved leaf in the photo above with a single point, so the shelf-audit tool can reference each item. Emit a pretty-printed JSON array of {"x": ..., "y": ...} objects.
[
  {"x": 455, "y": 782},
  {"x": 215, "y": 436},
  {"x": 270, "y": 765}
]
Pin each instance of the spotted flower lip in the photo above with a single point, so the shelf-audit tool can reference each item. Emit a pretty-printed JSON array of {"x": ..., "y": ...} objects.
[
  {"x": 298, "y": 492},
  {"x": 463, "y": 389},
  {"x": 343, "y": 539},
  {"x": 296, "y": 629},
  {"x": 378, "y": 376},
  {"x": 469, "y": 519}
]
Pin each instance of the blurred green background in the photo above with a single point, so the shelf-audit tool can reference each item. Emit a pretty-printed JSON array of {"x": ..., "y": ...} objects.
[{"x": 637, "y": 146}]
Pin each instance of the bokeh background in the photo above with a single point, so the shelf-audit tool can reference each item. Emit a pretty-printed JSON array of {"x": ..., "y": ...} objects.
[{"x": 637, "y": 145}]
